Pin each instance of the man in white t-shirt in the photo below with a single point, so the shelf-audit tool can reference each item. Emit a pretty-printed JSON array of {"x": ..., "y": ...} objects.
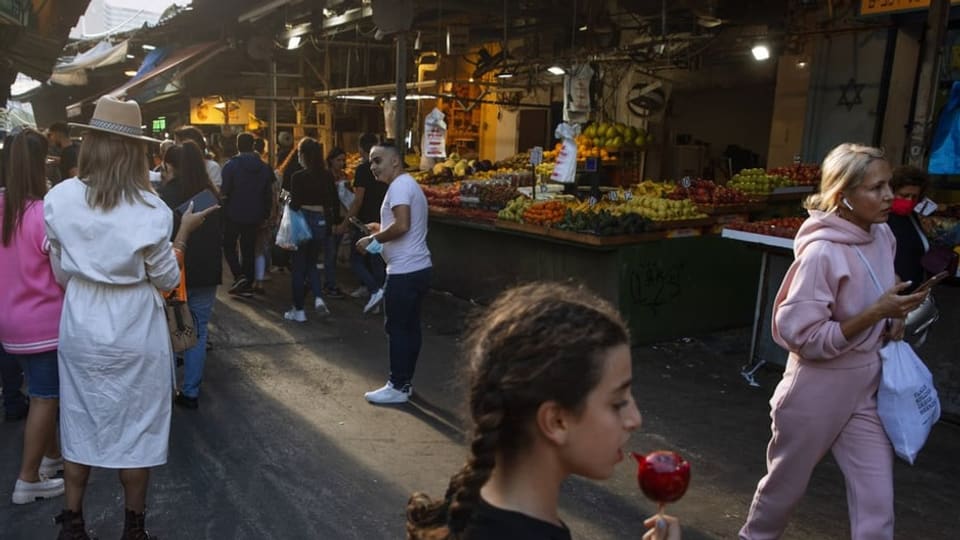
[{"x": 401, "y": 237}]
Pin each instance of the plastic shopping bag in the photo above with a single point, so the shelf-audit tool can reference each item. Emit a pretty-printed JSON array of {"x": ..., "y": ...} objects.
[
  {"x": 945, "y": 150},
  {"x": 434, "y": 144},
  {"x": 565, "y": 170},
  {"x": 907, "y": 401},
  {"x": 293, "y": 230}
]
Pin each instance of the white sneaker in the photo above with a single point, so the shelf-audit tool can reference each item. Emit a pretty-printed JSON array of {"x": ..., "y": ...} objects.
[
  {"x": 321, "y": 308},
  {"x": 374, "y": 301},
  {"x": 50, "y": 467},
  {"x": 28, "y": 492},
  {"x": 389, "y": 394},
  {"x": 359, "y": 292},
  {"x": 295, "y": 315}
]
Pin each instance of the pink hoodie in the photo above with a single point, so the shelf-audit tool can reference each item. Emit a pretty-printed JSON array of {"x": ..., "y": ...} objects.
[
  {"x": 30, "y": 298},
  {"x": 829, "y": 283}
]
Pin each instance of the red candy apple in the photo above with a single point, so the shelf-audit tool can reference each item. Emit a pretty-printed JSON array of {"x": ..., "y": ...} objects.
[{"x": 663, "y": 476}]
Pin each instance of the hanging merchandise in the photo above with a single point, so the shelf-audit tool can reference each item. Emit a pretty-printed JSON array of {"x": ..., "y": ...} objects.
[
  {"x": 945, "y": 151},
  {"x": 389, "y": 118},
  {"x": 565, "y": 169},
  {"x": 434, "y": 144},
  {"x": 576, "y": 94}
]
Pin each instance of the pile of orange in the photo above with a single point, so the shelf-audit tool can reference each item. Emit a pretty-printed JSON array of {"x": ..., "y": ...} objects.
[{"x": 545, "y": 213}]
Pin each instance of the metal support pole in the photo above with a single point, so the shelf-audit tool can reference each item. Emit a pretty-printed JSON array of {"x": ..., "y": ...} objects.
[
  {"x": 273, "y": 115},
  {"x": 400, "y": 120},
  {"x": 933, "y": 38}
]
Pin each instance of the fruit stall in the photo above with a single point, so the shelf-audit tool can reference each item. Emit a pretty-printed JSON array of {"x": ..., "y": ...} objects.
[{"x": 653, "y": 248}]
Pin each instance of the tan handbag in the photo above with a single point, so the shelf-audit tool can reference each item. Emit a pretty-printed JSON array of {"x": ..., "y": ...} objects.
[{"x": 183, "y": 328}]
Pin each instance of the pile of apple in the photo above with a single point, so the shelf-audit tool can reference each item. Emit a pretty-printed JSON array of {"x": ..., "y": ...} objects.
[
  {"x": 658, "y": 209},
  {"x": 799, "y": 175},
  {"x": 707, "y": 193},
  {"x": 780, "y": 227},
  {"x": 756, "y": 182}
]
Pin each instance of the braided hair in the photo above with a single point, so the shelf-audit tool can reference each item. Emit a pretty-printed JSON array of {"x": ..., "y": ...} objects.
[{"x": 536, "y": 343}]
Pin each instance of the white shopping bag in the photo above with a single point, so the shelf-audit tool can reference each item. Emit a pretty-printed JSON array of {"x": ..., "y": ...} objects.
[
  {"x": 434, "y": 144},
  {"x": 907, "y": 401}
]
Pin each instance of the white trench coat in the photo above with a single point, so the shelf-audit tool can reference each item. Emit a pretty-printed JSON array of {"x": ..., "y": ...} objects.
[{"x": 116, "y": 363}]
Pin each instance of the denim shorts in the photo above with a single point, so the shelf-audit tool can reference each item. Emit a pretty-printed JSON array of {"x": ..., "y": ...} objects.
[{"x": 42, "y": 372}]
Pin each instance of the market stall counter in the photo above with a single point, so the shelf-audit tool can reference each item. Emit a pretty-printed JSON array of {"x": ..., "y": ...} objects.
[{"x": 668, "y": 284}]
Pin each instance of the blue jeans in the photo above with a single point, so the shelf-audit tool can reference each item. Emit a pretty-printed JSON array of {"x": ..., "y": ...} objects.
[
  {"x": 11, "y": 378},
  {"x": 200, "y": 300},
  {"x": 43, "y": 374},
  {"x": 305, "y": 260},
  {"x": 369, "y": 269},
  {"x": 402, "y": 300},
  {"x": 331, "y": 244}
]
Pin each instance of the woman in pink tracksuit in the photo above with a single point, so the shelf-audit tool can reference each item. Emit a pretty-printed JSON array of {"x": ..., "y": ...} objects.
[{"x": 828, "y": 315}]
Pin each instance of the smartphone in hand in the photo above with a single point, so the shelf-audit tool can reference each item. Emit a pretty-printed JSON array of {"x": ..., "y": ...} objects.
[
  {"x": 932, "y": 282},
  {"x": 201, "y": 201},
  {"x": 360, "y": 225}
]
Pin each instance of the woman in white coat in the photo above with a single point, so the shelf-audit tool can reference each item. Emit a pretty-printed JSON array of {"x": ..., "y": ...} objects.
[{"x": 110, "y": 246}]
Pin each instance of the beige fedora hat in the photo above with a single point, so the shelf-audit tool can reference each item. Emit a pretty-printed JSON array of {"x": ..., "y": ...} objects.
[{"x": 118, "y": 117}]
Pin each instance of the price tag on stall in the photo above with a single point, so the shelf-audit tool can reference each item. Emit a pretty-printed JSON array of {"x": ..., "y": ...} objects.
[
  {"x": 613, "y": 196},
  {"x": 536, "y": 155},
  {"x": 592, "y": 201},
  {"x": 628, "y": 196}
]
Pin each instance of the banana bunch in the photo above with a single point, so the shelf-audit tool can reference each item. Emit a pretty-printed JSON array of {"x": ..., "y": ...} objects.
[
  {"x": 515, "y": 209},
  {"x": 649, "y": 188}
]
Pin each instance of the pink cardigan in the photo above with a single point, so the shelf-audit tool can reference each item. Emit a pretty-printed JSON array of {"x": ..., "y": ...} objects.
[{"x": 30, "y": 298}]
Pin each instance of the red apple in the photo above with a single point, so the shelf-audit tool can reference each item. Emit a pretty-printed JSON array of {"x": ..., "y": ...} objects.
[{"x": 662, "y": 475}]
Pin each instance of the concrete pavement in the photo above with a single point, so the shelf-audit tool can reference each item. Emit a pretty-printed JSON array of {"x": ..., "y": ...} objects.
[{"x": 284, "y": 446}]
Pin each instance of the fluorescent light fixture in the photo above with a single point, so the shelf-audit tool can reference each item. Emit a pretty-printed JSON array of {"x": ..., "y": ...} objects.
[
  {"x": 221, "y": 105},
  {"x": 556, "y": 70},
  {"x": 504, "y": 75},
  {"x": 130, "y": 72},
  {"x": 357, "y": 97},
  {"x": 583, "y": 28},
  {"x": 327, "y": 12},
  {"x": 294, "y": 42},
  {"x": 147, "y": 47},
  {"x": 760, "y": 52},
  {"x": 130, "y": 57}
]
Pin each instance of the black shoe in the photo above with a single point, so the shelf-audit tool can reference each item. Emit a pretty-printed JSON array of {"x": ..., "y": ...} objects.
[
  {"x": 186, "y": 402},
  {"x": 239, "y": 285},
  {"x": 134, "y": 527},
  {"x": 335, "y": 292},
  {"x": 72, "y": 526}
]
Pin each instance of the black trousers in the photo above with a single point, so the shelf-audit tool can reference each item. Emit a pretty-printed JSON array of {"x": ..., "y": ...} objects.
[{"x": 246, "y": 234}]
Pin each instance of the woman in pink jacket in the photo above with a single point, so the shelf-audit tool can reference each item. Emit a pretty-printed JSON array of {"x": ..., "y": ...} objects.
[
  {"x": 30, "y": 305},
  {"x": 831, "y": 318}
]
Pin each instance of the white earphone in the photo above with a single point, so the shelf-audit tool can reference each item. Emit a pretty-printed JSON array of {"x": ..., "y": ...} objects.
[{"x": 847, "y": 203}]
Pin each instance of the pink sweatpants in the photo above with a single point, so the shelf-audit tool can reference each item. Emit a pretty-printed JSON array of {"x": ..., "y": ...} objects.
[{"x": 816, "y": 408}]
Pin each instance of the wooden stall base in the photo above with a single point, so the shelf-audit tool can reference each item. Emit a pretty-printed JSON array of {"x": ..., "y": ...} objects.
[
  {"x": 725, "y": 209},
  {"x": 681, "y": 224}
]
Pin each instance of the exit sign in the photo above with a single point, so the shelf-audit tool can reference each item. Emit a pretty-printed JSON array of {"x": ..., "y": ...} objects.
[{"x": 880, "y": 7}]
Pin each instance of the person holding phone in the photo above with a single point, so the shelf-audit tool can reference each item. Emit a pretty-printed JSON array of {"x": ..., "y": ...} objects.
[
  {"x": 830, "y": 317},
  {"x": 204, "y": 266},
  {"x": 368, "y": 197}
]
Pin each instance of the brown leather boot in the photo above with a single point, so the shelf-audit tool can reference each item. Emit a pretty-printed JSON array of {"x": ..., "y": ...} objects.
[
  {"x": 72, "y": 526},
  {"x": 133, "y": 527}
]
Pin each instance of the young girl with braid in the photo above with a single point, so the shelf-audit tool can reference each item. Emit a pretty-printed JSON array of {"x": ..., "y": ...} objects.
[{"x": 550, "y": 378}]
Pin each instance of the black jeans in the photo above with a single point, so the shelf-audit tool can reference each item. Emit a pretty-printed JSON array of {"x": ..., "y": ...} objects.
[
  {"x": 402, "y": 300},
  {"x": 11, "y": 379},
  {"x": 247, "y": 235}
]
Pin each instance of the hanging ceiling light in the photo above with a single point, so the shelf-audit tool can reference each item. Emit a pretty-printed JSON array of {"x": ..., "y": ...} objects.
[
  {"x": 504, "y": 74},
  {"x": 557, "y": 70},
  {"x": 760, "y": 52},
  {"x": 293, "y": 42}
]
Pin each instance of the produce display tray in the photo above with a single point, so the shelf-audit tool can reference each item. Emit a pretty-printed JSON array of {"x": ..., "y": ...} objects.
[
  {"x": 580, "y": 238},
  {"x": 754, "y": 238},
  {"x": 722, "y": 209},
  {"x": 681, "y": 224}
]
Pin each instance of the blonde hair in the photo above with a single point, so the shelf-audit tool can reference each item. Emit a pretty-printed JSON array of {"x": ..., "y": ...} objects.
[
  {"x": 844, "y": 168},
  {"x": 114, "y": 168}
]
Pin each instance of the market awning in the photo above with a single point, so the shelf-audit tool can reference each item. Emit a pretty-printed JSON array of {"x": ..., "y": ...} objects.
[{"x": 156, "y": 77}]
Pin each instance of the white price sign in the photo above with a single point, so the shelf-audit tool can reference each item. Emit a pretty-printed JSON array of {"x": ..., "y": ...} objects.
[{"x": 536, "y": 155}]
